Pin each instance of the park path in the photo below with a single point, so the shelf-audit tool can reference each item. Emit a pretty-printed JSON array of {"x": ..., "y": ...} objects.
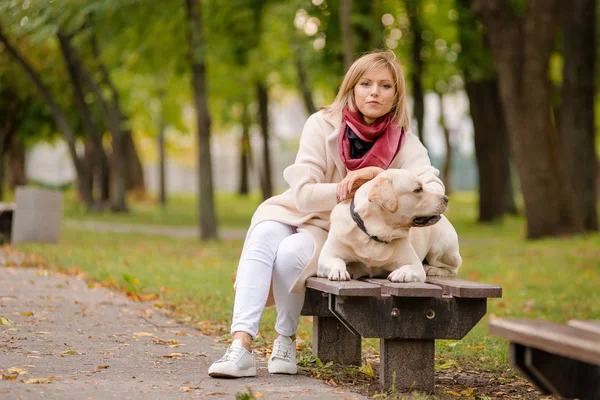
[
  {"x": 61, "y": 339},
  {"x": 173, "y": 231}
]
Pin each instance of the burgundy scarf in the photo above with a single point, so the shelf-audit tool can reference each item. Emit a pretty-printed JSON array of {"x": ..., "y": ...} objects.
[{"x": 387, "y": 137}]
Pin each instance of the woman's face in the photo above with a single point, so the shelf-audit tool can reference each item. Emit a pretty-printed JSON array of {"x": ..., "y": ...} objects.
[{"x": 374, "y": 94}]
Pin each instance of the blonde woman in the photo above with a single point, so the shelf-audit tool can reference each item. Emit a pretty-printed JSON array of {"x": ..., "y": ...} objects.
[{"x": 363, "y": 132}]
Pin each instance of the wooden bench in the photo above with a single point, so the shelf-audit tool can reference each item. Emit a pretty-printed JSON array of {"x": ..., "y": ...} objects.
[
  {"x": 406, "y": 317},
  {"x": 559, "y": 359}
]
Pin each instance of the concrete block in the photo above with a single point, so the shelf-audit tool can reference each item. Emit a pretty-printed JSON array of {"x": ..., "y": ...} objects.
[{"x": 37, "y": 216}]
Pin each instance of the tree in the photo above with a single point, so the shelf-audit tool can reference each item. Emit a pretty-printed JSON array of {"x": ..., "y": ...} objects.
[
  {"x": 413, "y": 7},
  {"x": 496, "y": 195},
  {"x": 74, "y": 69},
  {"x": 576, "y": 128},
  {"x": 346, "y": 32},
  {"x": 60, "y": 117},
  {"x": 197, "y": 48},
  {"x": 521, "y": 42}
]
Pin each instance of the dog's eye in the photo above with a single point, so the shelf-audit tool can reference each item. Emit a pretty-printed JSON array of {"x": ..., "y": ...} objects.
[{"x": 418, "y": 190}]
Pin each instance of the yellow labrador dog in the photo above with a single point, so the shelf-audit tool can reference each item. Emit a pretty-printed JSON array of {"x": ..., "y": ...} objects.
[{"x": 388, "y": 229}]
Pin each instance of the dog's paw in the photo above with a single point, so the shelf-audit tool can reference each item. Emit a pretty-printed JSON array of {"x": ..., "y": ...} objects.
[
  {"x": 408, "y": 273},
  {"x": 440, "y": 271},
  {"x": 339, "y": 275}
]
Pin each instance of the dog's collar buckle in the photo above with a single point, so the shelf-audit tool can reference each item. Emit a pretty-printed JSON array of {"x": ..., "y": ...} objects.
[{"x": 361, "y": 224}]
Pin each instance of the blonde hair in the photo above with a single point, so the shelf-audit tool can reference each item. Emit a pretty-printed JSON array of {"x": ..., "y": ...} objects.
[{"x": 369, "y": 62}]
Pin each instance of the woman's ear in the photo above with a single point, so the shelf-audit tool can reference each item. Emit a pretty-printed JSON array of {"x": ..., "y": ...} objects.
[{"x": 383, "y": 193}]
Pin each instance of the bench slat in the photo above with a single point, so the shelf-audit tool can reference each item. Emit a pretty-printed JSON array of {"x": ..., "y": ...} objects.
[
  {"x": 412, "y": 289},
  {"x": 344, "y": 288},
  {"x": 464, "y": 288},
  {"x": 588, "y": 326},
  {"x": 551, "y": 337}
]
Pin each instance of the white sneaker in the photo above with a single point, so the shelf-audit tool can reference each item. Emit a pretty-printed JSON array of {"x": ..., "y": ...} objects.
[
  {"x": 236, "y": 363},
  {"x": 283, "y": 358}
]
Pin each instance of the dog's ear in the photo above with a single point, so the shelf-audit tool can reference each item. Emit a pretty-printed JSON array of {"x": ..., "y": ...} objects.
[{"x": 383, "y": 193}]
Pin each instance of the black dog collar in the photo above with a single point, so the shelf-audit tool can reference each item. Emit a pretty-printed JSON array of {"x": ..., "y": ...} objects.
[{"x": 361, "y": 224}]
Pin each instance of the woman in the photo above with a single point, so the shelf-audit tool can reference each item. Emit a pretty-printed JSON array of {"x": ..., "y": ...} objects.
[{"x": 364, "y": 131}]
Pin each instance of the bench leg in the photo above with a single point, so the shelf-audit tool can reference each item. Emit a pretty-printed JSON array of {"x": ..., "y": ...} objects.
[
  {"x": 333, "y": 342},
  {"x": 407, "y": 365}
]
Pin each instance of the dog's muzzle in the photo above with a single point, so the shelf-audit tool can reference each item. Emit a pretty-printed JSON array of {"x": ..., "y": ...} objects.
[{"x": 426, "y": 221}]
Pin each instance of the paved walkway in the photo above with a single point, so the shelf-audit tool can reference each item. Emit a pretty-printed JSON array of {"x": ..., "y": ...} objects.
[
  {"x": 174, "y": 231},
  {"x": 69, "y": 341}
]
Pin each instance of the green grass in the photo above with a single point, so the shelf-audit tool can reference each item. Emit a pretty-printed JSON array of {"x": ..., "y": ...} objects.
[
  {"x": 555, "y": 279},
  {"x": 233, "y": 211}
]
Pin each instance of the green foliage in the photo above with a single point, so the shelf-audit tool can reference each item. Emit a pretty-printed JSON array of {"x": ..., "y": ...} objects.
[{"x": 474, "y": 58}]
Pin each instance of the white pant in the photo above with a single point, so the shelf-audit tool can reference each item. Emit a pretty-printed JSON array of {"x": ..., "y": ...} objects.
[{"x": 272, "y": 251}]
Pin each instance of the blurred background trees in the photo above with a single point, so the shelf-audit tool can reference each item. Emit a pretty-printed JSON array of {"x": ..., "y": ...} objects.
[{"x": 105, "y": 75}]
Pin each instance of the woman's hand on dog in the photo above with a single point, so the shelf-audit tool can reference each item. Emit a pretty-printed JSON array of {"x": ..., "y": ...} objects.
[{"x": 355, "y": 179}]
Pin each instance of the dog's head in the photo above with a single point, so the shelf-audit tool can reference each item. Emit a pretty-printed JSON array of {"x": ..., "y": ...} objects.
[{"x": 404, "y": 200}]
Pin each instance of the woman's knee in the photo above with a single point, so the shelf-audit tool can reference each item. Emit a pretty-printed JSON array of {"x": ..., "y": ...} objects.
[
  {"x": 294, "y": 252},
  {"x": 267, "y": 236}
]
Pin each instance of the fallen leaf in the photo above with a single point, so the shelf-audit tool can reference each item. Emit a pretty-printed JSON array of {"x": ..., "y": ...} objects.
[
  {"x": 17, "y": 371},
  {"x": 38, "y": 381},
  {"x": 103, "y": 366},
  {"x": 367, "y": 369},
  {"x": 27, "y": 314},
  {"x": 141, "y": 334},
  {"x": 453, "y": 393},
  {"x": 70, "y": 352},
  {"x": 172, "y": 355},
  {"x": 9, "y": 377},
  {"x": 6, "y": 321},
  {"x": 259, "y": 395},
  {"x": 185, "y": 389}
]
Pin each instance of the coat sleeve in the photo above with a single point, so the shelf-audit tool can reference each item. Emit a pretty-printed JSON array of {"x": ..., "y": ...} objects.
[
  {"x": 307, "y": 177},
  {"x": 414, "y": 157}
]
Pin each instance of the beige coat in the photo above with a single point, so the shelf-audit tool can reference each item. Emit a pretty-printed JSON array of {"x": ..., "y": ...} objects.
[{"x": 313, "y": 180}]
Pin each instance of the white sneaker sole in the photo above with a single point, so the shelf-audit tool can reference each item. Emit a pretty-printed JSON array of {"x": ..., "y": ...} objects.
[
  {"x": 233, "y": 374},
  {"x": 287, "y": 370}
]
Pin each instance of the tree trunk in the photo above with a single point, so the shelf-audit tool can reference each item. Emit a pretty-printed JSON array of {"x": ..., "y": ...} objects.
[
  {"x": 208, "y": 222},
  {"x": 304, "y": 85},
  {"x": 346, "y": 29},
  {"x": 162, "y": 159},
  {"x": 522, "y": 48},
  {"x": 74, "y": 67},
  {"x": 59, "y": 116},
  {"x": 16, "y": 164},
  {"x": 245, "y": 154},
  {"x": 416, "y": 75},
  {"x": 447, "y": 169},
  {"x": 491, "y": 150},
  {"x": 115, "y": 119},
  {"x": 496, "y": 195},
  {"x": 134, "y": 179},
  {"x": 6, "y": 134},
  {"x": 90, "y": 161},
  {"x": 263, "y": 110},
  {"x": 577, "y": 130}
]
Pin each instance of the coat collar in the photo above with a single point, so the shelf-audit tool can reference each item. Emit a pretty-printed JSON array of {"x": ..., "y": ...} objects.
[{"x": 335, "y": 122}]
